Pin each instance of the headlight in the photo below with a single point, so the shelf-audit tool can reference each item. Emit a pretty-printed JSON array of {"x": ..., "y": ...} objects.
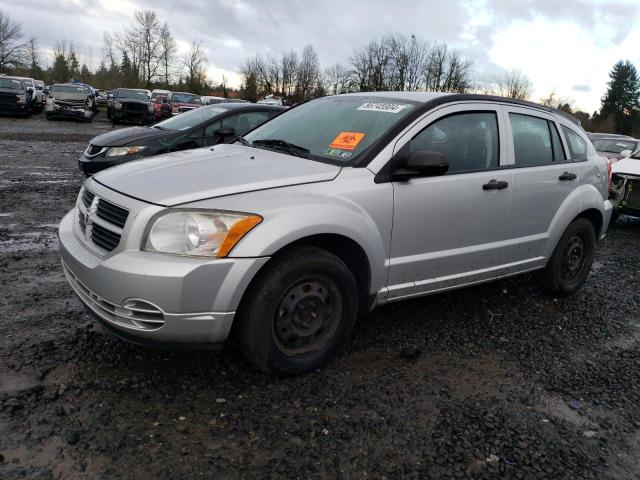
[
  {"x": 118, "y": 151},
  {"x": 21, "y": 98},
  {"x": 199, "y": 233},
  {"x": 117, "y": 105}
]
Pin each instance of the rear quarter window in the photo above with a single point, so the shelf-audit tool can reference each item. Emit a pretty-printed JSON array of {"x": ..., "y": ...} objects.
[{"x": 577, "y": 145}]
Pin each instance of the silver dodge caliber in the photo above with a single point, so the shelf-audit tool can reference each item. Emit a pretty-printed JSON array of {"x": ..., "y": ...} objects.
[{"x": 333, "y": 207}]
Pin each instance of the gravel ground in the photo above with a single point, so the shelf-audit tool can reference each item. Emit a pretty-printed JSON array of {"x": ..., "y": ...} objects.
[{"x": 491, "y": 381}]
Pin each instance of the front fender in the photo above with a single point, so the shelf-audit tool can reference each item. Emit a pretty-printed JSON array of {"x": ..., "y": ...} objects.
[
  {"x": 583, "y": 198},
  {"x": 290, "y": 224}
]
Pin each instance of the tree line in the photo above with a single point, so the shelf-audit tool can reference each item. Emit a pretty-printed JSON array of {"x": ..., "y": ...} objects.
[{"x": 144, "y": 54}]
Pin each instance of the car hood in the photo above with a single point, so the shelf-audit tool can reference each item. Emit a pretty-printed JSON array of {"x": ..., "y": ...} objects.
[
  {"x": 628, "y": 166},
  {"x": 69, "y": 96},
  {"x": 127, "y": 136},
  {"x": 192, "y": 175}
]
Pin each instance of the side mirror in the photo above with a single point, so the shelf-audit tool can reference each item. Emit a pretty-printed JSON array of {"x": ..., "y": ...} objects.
[
  {"x": 225, "y": 132},
  {"x": 625, "y": 153},
  {"x": 422, "y": 163}
]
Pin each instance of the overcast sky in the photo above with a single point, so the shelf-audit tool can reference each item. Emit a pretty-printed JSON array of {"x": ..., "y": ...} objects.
[{"x": 569, "y": 45}]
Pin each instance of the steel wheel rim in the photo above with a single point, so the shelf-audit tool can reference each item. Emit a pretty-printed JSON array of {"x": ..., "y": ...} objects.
[
  {"x": 307, "y": 316},
  {"x": 573, "y": 258}
]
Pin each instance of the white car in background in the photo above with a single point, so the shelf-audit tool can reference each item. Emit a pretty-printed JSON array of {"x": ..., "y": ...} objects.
[{"x": 625, "y": 185}]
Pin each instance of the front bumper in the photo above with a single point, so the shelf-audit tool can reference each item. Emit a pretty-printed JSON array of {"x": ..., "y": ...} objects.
[
  {"x": 91, "y": 166},
  {"x": 155, "y": 299},
  {"x": 133, "y": 117},
  {"x": 14, "y": 109},
  {"x": 68, "y": 112}
]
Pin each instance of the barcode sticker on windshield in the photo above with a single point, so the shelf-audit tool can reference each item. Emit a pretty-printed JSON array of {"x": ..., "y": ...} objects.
[{"x": 383, "y": 107}]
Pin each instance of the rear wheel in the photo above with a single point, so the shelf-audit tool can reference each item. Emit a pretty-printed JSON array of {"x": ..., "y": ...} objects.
[
  {"x": 298, "y": 312},
  {"x": 570, "y": 264}
]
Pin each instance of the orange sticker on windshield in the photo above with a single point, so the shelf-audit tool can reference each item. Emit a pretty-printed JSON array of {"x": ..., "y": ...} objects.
[{"x": 347, "y": 140}]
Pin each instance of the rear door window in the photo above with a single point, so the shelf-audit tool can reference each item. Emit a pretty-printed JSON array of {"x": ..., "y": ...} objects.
[{"x": 535, "y": 141}]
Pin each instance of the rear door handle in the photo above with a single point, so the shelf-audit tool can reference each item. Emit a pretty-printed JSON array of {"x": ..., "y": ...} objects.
[
  {"x": 567, "y": 176},
  {"x": 495, "y": 185}
]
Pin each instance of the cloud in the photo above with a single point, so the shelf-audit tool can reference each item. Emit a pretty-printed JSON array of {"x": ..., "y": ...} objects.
[{"x": 582, "y": 88}]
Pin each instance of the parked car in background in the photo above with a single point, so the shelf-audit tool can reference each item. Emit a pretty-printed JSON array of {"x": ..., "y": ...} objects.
[
  {"x": 102, "y": 98},
  {"x": 157, "y": 98},
  {"x": 625, "y": 185},
  {"x": 14, "y": 97},
  {"x": 130, "y": 105},
  {"x": 329, "y": 209},
  {"x": 70, "y": 100},
  {"x": 41, "y": 94},
  {"x": 179, "y": 102},
  {"x": 615, "y": 147},
  {"x": 211, "y": 100},
  {"x": 36, "y": 96},
  {"x": 203, "y": 127}
]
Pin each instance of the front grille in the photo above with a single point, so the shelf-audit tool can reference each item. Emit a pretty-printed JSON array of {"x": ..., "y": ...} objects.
[
  {"x": 134, "y": 313},
  {"x": 100, "y": 222},
  {"x": 8, "y": 99},
  {"x": 70, "y": 103},
  {"x": 93, "y": 149},
  {"x": 112, "y": 213},
  {"x": 87, "y": 198},
  {"x": 134, "y": 107},
  {"x": 104, "y": 238}
]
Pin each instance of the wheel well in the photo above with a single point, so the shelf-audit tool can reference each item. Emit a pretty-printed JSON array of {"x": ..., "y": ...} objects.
[
  {"x": 595, "y": 217},
  {"x": 350, "y": 252}
]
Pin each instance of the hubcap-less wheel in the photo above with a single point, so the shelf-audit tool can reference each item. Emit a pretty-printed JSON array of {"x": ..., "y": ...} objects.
[
  {"x": 307, "y": 316},
  {"x": 573, "y": 258}
]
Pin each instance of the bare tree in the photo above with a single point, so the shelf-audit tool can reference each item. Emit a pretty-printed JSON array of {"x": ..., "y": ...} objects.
[
  {"x": 168, "y": 50},
  {"x": 12, "y": 48},
  {"x": 148, "y": 35},
  {"x": 308, "y": 74},
  {"x": 33, "y": 52},
  {"x": 195, "y": 63},
  {"x": 288, "y": 68},
  {"x": 337, "y": 79},
  {"x": 512, "y": 84}
]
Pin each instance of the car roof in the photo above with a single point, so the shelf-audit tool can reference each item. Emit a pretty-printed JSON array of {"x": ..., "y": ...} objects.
[
  {"x": 433, "y": 99},
  {"x": 186, "y": 93},
  {"x": 244, "y": 106}
]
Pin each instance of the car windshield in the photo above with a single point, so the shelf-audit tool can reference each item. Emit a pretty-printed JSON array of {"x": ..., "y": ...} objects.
[
  {"x": 158, "y": 96},
  {"x": 185, "y": 98},
  {"x": 613, "y": 146},
  {"x": 133, "y": 94},
  {"x": 186, "y": 120},
  {"x": 213, "y": 100},
  {"x": 336, "y": 129},
  {"x": 69, "y": 89},
  {"x": 11, "y": 84},
  {"x": 39, "y": 84}
]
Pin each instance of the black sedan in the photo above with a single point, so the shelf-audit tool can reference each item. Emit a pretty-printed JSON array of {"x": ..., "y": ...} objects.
[{"x": 201, "y": 127}]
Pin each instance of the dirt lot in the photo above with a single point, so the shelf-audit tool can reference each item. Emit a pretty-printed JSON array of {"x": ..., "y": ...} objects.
[{"x": 487, "y": 382}]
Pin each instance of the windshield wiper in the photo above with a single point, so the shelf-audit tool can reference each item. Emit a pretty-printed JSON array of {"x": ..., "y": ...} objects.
[
  {"x": 242, "y": 141},
  {"x": 278, "y": 144}
]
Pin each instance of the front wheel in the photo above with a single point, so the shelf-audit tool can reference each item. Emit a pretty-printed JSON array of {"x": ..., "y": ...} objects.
[
  {"x": 570, "y": 264},
  {"x": 298, "y": 311}
]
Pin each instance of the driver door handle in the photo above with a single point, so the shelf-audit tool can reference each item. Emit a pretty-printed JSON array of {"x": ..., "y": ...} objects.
[
  {"x": 495, "y": 185},
  {"x": 567, "y": 176}
]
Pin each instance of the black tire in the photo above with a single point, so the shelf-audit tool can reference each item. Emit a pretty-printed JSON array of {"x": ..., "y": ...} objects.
[
  {"x": 570, "y": 264},
  {"x": 298, "y": 312},
  {"x": 615, "y": 215}
]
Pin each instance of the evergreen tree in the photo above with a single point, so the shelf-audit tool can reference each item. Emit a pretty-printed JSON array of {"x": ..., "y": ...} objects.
[
  {"x": 60, "y": 71},
  {"x": 621, "y": 102}
]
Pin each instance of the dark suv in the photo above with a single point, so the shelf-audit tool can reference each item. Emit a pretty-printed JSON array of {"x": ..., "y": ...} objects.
[
  {"x": 130, "y": 105},
  {"x": 14, "y": 97}
]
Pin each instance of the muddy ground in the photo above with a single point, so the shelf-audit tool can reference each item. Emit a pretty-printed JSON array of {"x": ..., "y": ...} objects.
[{"x": 496, "y": 381}]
